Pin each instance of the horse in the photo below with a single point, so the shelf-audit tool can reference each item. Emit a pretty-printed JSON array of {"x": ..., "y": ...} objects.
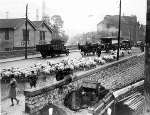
[{"x": 88, "y": 48}]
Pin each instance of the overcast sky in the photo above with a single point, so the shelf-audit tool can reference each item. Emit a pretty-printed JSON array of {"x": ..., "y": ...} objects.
[{"x": 79, "y": 15}]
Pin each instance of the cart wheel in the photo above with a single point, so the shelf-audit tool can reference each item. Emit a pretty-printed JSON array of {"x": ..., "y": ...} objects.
[
  {"x": 67, "y": 54},
  {"x": 82, "y": 53},
  {"x": 43, "y": 56},
  {"x": 52, "y": 55}
]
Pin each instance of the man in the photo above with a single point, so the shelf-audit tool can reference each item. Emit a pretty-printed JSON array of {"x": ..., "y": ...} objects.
[
  {"x": 12, "y": 91},
  {"x": 142, "y": 47},
  {"x": 33, "y": 79},
  {"x": 99, "y": 51}
]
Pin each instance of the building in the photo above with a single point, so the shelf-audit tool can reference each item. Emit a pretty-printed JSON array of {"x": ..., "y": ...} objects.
[
  {"x": 130, "y": 27},
  {"x": 13, "y": 34},
  {"x": 43, "y": 32}
]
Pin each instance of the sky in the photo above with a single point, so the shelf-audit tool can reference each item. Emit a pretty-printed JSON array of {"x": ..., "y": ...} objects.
[{"x": 79, "y": 16}]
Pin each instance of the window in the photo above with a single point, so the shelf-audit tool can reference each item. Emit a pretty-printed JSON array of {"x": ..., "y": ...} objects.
[
  {"x": 24, "y": 42},
  {"x": 42, "y": 35},
  {"x": 24, "y": 35},
  {"x": 7, "y": 49},
  {"x": 6, "y": 35},
  {"x": 108, "y": 25}
]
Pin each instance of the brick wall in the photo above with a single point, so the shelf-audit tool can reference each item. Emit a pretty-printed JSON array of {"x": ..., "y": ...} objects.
[{"x": 113, "y": 76}]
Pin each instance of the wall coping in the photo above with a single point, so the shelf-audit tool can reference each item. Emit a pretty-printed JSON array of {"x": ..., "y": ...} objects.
[
  {"x": 37, "y": 91},
  {"x": 127, "y": 88}
]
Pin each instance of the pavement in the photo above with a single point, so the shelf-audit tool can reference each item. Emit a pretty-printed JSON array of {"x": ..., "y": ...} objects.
[
  {"x": 5, "y": 105},
  {"x": 18, "y": 58},
  {"x": 23, "y": 57},
  {"x": 17, "y": 109}
]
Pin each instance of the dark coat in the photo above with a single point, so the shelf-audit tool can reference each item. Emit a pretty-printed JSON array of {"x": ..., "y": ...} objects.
[
  {"x": 12, "y": 91},
  {"x": 99, "y": 51},
  {"x": 33, "y": 79}
]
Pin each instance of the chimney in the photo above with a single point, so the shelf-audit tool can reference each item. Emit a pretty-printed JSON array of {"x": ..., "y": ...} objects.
[
  {"x": 37, "y": 15},
  {"x": 7, "y": 15},
  {"x": 43, "y": 9}
]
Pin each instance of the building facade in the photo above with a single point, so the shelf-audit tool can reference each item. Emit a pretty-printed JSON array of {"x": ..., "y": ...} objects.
[
  {"x": 131, "y": 29},
  {"x": 13, "y": 34},
  {"x": 43, "y": 33}
]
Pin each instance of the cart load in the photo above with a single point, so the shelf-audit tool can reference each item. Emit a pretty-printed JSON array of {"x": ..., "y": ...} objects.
[{"x": 55, "y": 48}]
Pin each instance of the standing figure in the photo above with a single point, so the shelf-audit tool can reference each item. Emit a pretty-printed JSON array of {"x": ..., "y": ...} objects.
[
  {"x": 43, "y": 74},
  {"x": 12, "y": 91},
  {"x": 99, "y": 51},
  {"x": 33, "y": 79},
  {"x": 142, "y": 47}
]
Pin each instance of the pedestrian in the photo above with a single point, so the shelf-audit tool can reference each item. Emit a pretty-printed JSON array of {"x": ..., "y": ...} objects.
[
  {"x": 33, "y": 79},
  {"x": 43, "y": 74},
  {"x": 99, "y": 51},
  {"x": 12, "y": 91},
  {"x": 142, "y": 47}
]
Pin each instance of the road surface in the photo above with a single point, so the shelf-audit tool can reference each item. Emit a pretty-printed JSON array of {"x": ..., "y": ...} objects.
[{"x": 29, "y": 62}]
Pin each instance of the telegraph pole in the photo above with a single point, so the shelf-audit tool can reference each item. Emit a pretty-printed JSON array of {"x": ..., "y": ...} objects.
[
  {"x": 119, "y": 31},
  {"x": 147, "y": 62},
  {"x": 26, "y": 32}
]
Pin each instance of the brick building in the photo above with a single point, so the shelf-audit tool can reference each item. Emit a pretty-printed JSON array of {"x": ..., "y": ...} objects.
[{"x": 130, "y": 28}]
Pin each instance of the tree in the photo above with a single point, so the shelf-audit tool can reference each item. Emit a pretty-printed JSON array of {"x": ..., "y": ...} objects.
[
  {"x": 57, "y": 21},
  {"x": 46, "y": 19},
  {"x": 58, "y": 26},
  {"x": 65, "y": 37}
]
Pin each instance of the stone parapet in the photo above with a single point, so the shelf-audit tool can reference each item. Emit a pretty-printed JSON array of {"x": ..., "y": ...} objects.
[{"x": 113, "y": 76}]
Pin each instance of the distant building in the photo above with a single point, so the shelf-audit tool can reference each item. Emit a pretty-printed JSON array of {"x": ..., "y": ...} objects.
[
  {"x": 130, "y": 27},
  {"x": 13, "y": 34}
]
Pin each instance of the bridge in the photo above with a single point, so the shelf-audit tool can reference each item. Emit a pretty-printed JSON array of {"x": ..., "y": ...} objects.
[{"x": 124, "y": 78}]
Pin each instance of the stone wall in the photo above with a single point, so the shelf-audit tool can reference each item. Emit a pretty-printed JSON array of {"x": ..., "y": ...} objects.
[{"x": 113, "y": 76}]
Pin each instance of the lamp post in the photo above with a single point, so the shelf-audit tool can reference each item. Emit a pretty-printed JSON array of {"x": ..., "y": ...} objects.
[
  {"x": 26, "y": 32},
  {"x": 119, "y": 31}
]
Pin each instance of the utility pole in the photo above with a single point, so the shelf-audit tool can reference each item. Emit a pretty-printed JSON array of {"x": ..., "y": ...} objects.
[
  {"x": 130, "y": 35},
  {"x": 26, "y": 32},
  {"x": 119, "y": 31},
  {"x": 147, "y": 62}
]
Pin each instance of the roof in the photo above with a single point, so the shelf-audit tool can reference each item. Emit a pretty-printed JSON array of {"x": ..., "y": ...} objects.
[
  {"x": 109, "y": 37},
  {"x": 135, "y": 102},
  {"x": 13, "y": 23},
  {"x": 39, "y": 23}
]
